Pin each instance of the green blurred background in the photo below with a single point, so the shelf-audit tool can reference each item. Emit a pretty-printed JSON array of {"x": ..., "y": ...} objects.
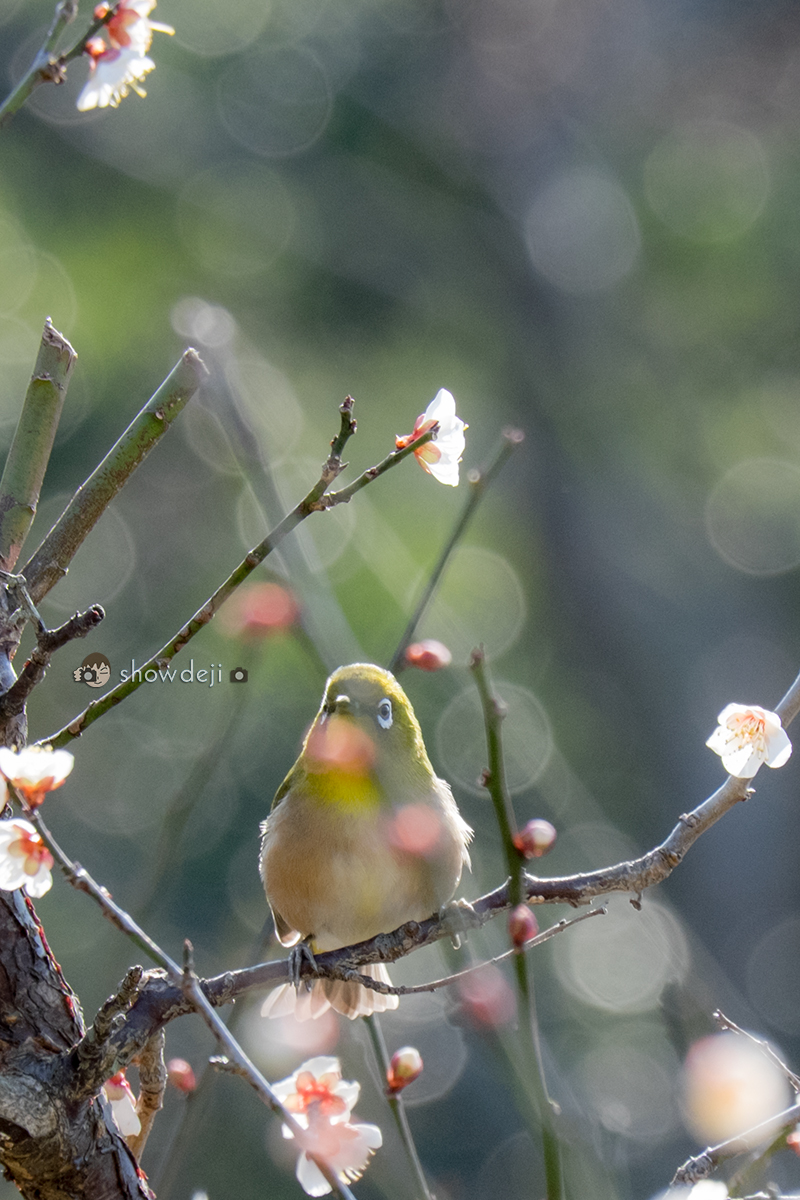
[{"x": 580, "y": 218}]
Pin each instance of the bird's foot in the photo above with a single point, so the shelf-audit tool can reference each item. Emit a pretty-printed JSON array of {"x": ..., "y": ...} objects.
[
  {"x": 300, "y": 956},
  {"x": 458, "y": 916}
]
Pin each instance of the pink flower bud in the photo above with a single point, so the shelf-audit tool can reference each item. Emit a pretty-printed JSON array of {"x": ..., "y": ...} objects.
[
  {"x": 536, "y": 839},
  {"x": 522, "y": 926},
  {"x": 429, "y": 655},
  {"x": 181, "y": 1075},
  {"x": 405, "y": 1067}
]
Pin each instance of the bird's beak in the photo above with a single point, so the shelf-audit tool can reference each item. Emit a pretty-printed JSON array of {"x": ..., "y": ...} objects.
[{"x": 342, "y": 704}]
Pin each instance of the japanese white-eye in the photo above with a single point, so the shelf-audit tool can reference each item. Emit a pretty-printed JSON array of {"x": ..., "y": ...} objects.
[{"x": 362, "y": 836}]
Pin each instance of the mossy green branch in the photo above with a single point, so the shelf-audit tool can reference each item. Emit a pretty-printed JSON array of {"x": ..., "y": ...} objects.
[
  {"x": 525, "y": 1056},
  {"x": 27, "y": 459},
  {"x": 50, "y": 562}
]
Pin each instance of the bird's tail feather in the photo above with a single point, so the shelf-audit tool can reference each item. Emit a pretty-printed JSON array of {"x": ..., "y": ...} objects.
[{"x": 348, "y": 998}]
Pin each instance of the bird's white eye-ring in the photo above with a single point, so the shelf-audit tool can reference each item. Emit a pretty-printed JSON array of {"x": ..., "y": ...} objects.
[{"x": 385, "y": 713}]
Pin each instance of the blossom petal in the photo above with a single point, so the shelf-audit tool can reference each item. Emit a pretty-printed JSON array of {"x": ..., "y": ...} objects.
[
  {"x": 24, "y": 860},
  {"x": 746, "y": 737},
  {"x": 310, "y": 1178},
  {"x": 113, "y": 76},
  {"x": 449, "y": 440}
]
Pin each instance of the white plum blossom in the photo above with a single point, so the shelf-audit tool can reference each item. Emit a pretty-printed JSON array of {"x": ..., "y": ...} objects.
[
  {"x": 748, "y": 736},
  {"x": 123, "y": 1104},
  {"x": 131, "y": 27},
  {"x": 114, "y": 73},
  {"x": 321, "y": 1102},
  {"x": 441, "y": 456},
  {"x": 25, "y": 861},
  {"x": 35, "y": 770},
  {"x": 121, "y": 66}
]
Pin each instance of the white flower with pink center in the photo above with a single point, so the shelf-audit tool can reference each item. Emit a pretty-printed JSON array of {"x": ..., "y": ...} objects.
[
  {"x": 439, "y": 457},
  {"x": 321, "y": 1102},
  {"x": 748, "y": 736},
  {"x": 25, "y": 861}
]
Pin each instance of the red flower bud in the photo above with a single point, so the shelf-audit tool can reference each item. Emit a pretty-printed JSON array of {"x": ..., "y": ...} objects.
[
  {"x": 536, "y": 839},
  {"x": 405, "y": 1067},
  {"x": 429, "y": 655},
  {"x": 522, "y": 926},
  {"x": 181, "y": 1075}
]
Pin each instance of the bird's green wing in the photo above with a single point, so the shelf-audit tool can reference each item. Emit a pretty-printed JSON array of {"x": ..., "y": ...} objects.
[{"x": 286, "y": 786}]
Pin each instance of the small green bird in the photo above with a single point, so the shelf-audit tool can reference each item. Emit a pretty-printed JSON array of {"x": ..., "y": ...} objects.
[{"x": 362, "y": 837}]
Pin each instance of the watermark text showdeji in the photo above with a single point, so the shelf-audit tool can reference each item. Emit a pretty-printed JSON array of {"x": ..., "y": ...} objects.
[{"x": 211, "y": 675}]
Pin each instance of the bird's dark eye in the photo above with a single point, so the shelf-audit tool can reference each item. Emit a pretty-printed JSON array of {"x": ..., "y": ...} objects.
[{"x": 385, "y": 713}]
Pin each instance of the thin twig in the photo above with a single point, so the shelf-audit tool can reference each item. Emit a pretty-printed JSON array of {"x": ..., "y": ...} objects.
[
  {"x": 331, "y": 499},
  {"x": 48, "y": 641},
  {"x": 46, "y": 66},
  {"x": 766, "y": 1049},
  {"x": 478, "y": 481},
  {"x": 82, "y": 881},
  {"x": 701, "y": 1165}
]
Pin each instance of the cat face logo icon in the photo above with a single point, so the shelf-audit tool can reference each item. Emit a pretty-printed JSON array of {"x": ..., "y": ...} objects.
[{"x": 94, "y": 671}]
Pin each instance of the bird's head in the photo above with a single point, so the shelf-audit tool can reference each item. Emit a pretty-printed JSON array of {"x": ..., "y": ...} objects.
[{"x": 366, "y": 727}]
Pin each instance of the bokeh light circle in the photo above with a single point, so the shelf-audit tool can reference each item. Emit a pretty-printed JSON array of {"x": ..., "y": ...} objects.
[
  {"x": 773, "y": 976},
  {"x": 480, "y": 601},
  {"x": 236, "y": 219},
  {"x": 266, "y": 402},
  {"x": 707, "y": 180},
  {"x": 623, "y": 961},
  {"x": 102, "y": 565},
  {"x": 630, "y": 1091},
  {"x": 210, "y": 324},
  {"x": 753, "y": 516},
  {"x": 275, "y": 101},
  {"x": 527, "y": 739},
  {"x": 18, "y": 270},
  {"x": 209, "y": 28},
  {"x": 18, "y": 346},
  {"x": 581, "y": 231}
]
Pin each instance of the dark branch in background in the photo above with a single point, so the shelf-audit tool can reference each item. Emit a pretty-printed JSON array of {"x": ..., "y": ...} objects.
[
  {"x": 317, "y": 500},
  {"x": 48, "y": 641},
  {"x": 478, "y": 481}
]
